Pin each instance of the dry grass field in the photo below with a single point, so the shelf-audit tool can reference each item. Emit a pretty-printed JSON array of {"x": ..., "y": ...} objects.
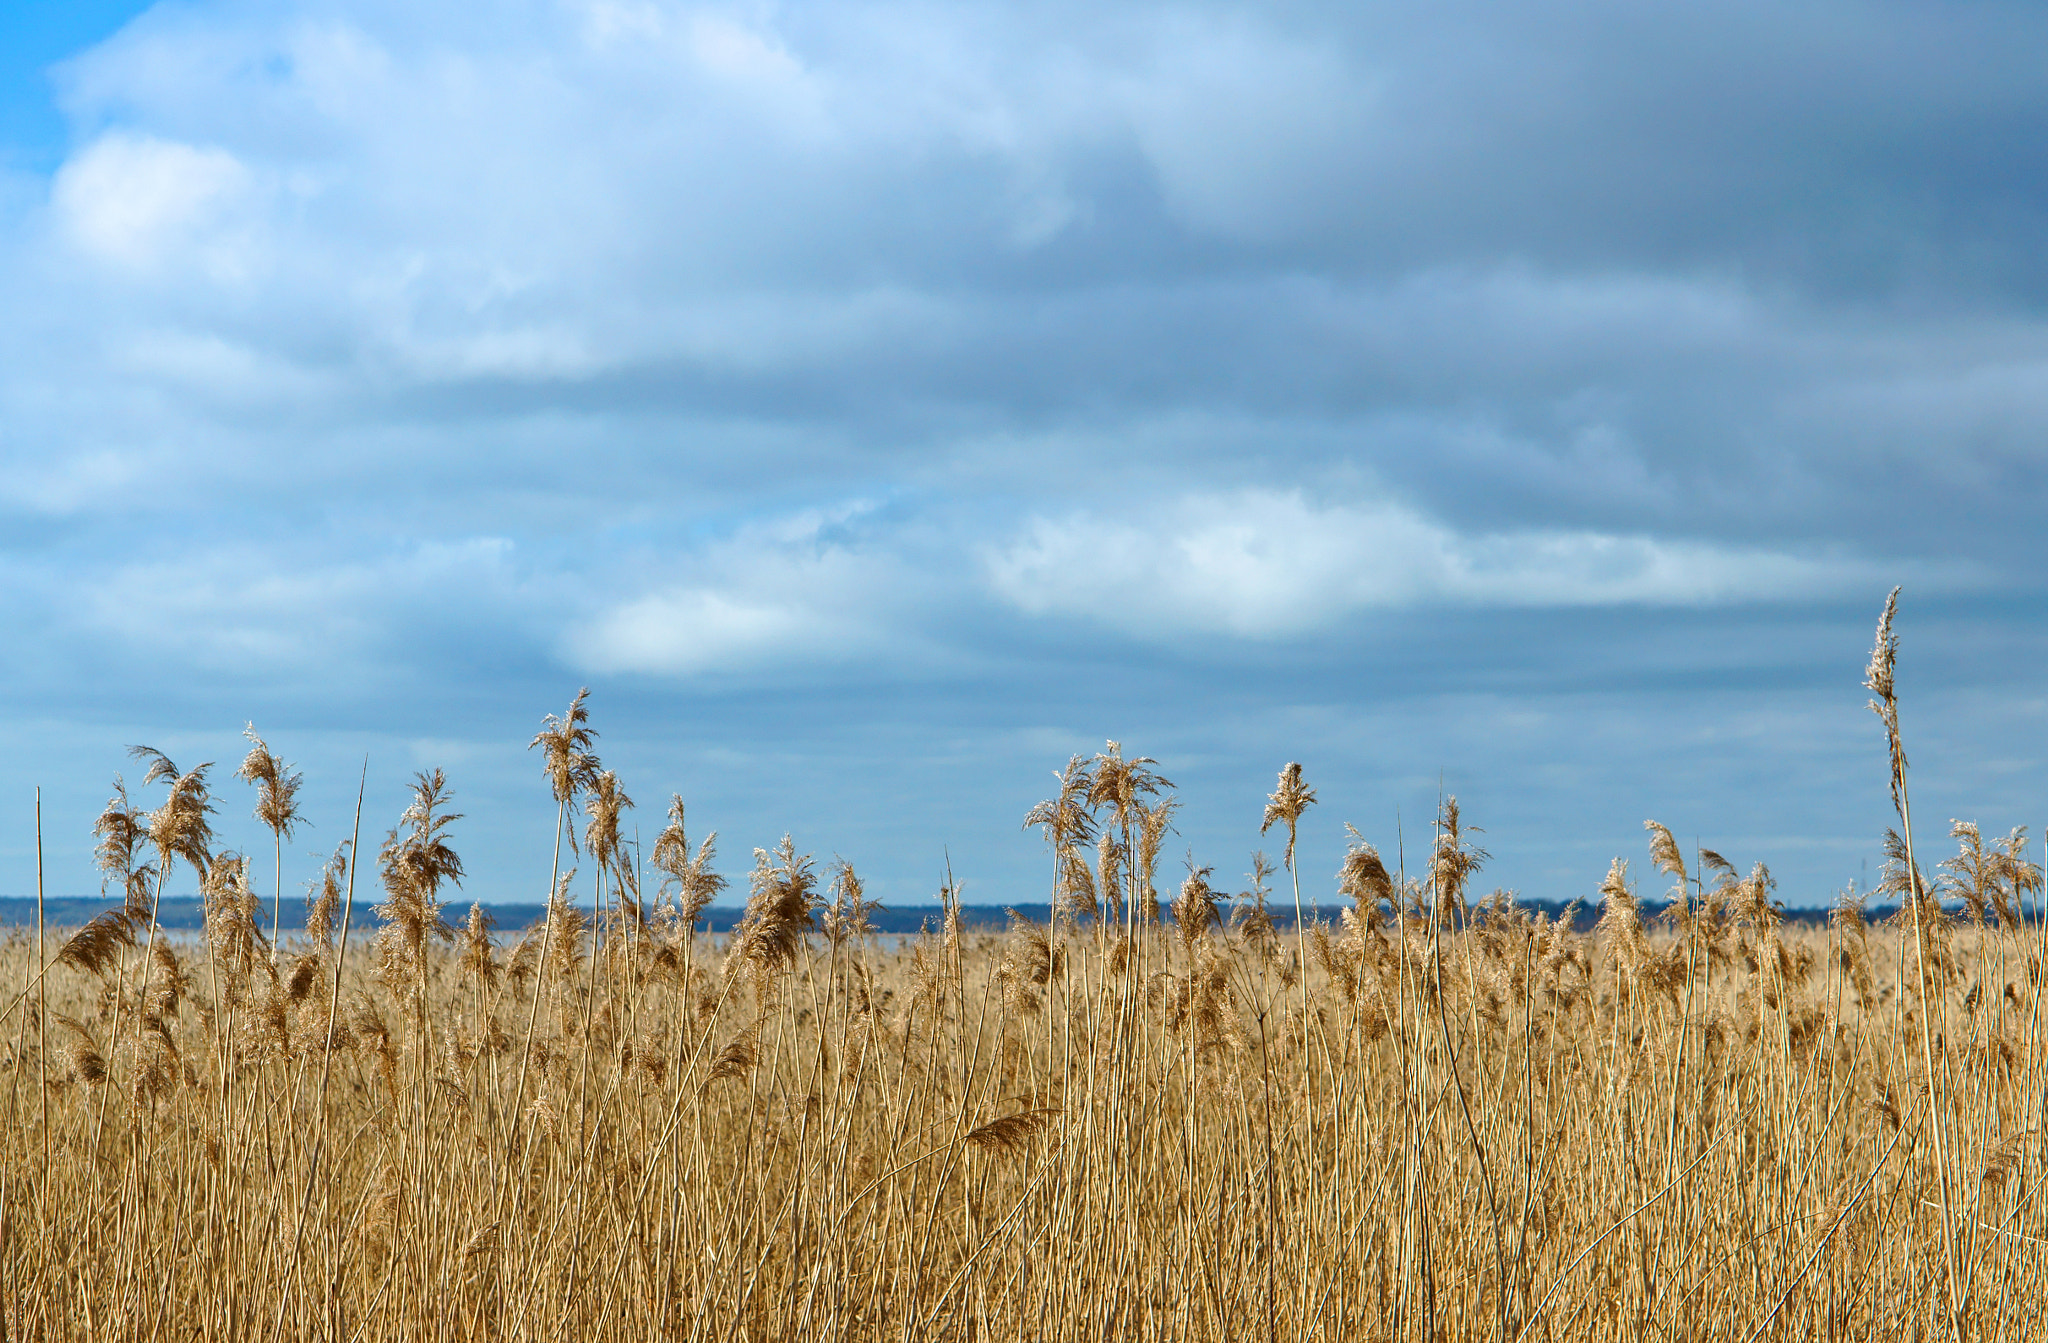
[{"x": 1444, "y": 1117}]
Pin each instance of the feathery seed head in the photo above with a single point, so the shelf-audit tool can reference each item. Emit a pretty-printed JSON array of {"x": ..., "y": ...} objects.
[
  {"x": 1010, "y": 1134},
  {"x": 1154, "y": 822},
  {"x": 1254, "y": 919},
  {"x": 1109, "y": 867},
  {"x": 1621, "y": 922},
  {"x": 563, "y": 936},
  {"x": 1664, "y": 852},
  {"x": 606, "y": 805},
  {"x": 689, "y": 880},
  {"x": 1076, "y": 894},
  {"x": 415, "y": 860},
  {"x": 277, "y": 786},
  {"x": 1118, "y": 782},
  {"x": 81, "y": 1053},
  {"x": 2017, "y": 877},
  {"x": 1452, "y": 861},
  {"x": 179, "y": 828},
  {"x": 565, "y": 752},
  {"x": 1973, "y": 874},
  {"x": 778, "y": 914},
  {"x": 1064, "y": 816},
  {"x": 1194, "y": 909},
  {"x": 477, "y": 959},
  {"x": 1364, "y": 877},
  {"x": 324, "y": 905},
  {"x": 1285, "y": 804},
  {"x": 847, "y": 914},
  {"x": 97, "y": 946},
  {"x": 1877, "y": 678},
  {"x": 229, "y": 910},
  {"x": 120, "y": 827}
]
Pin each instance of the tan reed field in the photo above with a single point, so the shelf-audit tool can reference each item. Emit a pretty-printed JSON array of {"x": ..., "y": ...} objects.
[{"x": 1442, "y": 1117}]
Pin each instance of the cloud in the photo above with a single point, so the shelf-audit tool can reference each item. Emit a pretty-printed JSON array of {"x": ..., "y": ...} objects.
[
  {"x": 141, "y": 202},
  {"x": 237, "y": 613},
  {"x": 690, "y": 630},
  {"x": 1267, "y": 565},
  {"x": 1241, "y": 124},
  {"x": 811, "y": 589}
]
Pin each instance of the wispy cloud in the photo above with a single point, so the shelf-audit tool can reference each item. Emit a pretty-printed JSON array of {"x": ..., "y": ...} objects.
[
  {"x": 144, "y": 203},
  {"x": 1266, "y": 564},
  {"x": 804, "y": 591}
]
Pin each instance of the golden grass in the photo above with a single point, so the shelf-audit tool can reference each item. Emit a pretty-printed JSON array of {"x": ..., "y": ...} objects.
[
  {"x": 1015, "y": 1137},
  {"x": 1439, "y": 1118}
]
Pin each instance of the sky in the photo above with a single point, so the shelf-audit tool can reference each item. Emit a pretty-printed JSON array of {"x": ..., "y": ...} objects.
[{"x": 876, "y": 403}]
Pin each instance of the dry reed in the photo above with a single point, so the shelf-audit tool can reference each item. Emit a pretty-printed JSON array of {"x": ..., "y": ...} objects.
[{"x": 1444, "y": 1116}]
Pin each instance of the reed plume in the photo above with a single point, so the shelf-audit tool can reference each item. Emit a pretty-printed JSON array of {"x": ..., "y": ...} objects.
[
  {"x": 688, "y": 879},
  {"x": 1154, "y": 823},
  {"x": 1621, "y": 929},
  {"x": 414, "y": 862},
  {"x": 1972, "y": 874},
  {"x": 1850, "y": 919},
  {"x": 562, "y": 941},
  {"x": 478, "y": 959},
  {"x": 1194, "y": 909},
  {"x": 1008, "y": 1135},
  {"x": 1289, "y": 799},
  {"x": 566, "y": 757},
  {"x": 96, "y": 948},
  {"x": 121, "y": 827},
  {"x": 1453, "y": 861},
  {"x": 845, "y": 916},
  {"x": 2018, "y": 877},
  {"x": 1109, "y": 866},
  {"x": 230, "y": 914},
  {"x": 277, "y": 806},
  {"x": 324, "y": 904},
  {"x": 606, "y": 806},
  {"x": 85, "y": 1064},
  {"x": 1285, "y": 805},
  {"x": 1666, "y": 858},
  {"x": 570, "y": 767},
  {"x": 1364, "y": 879},
  {"x": 779, "y": 908},
  {"x": 1068, "y": 828},
  {"x": 179, "y": 827},
  {"x": 1120, "y": 785},
  {"x": 1076, "y": 889},
  {"x": 1253, "y": 915}
]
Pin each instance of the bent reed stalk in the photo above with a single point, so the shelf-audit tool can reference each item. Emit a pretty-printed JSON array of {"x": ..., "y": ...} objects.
[{"x": 1441, "y": 1116}]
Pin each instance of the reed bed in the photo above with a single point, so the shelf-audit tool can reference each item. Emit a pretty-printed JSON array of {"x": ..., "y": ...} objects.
[{"x": 1443, "y": 1117}]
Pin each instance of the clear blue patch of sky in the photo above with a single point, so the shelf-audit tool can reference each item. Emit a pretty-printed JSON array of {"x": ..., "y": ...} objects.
[{"x": 35, "y": 35}]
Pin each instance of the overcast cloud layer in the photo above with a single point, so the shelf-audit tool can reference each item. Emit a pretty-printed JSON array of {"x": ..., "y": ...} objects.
[{"x": 875, "y": 403}]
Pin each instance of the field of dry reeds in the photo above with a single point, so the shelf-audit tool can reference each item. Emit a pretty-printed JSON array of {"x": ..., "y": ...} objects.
[{"x": 1442, "y": 1117}]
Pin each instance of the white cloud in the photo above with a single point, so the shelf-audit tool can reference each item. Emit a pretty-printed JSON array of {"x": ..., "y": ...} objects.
[
  {"x": 795, "y": 587},
  {"x": 729, "y": 49},
  {"x": 136, "y": 200},
  {"x": 1265, "y": 564},
  {"x": 688, "y": 630}
]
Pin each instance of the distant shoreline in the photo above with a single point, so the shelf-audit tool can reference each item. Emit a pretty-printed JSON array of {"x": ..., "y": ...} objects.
[{"x": 182, "y": 913}]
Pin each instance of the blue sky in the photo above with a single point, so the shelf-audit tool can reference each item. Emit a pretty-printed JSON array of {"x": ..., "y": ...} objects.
[{"x": 876, "y": 403}]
